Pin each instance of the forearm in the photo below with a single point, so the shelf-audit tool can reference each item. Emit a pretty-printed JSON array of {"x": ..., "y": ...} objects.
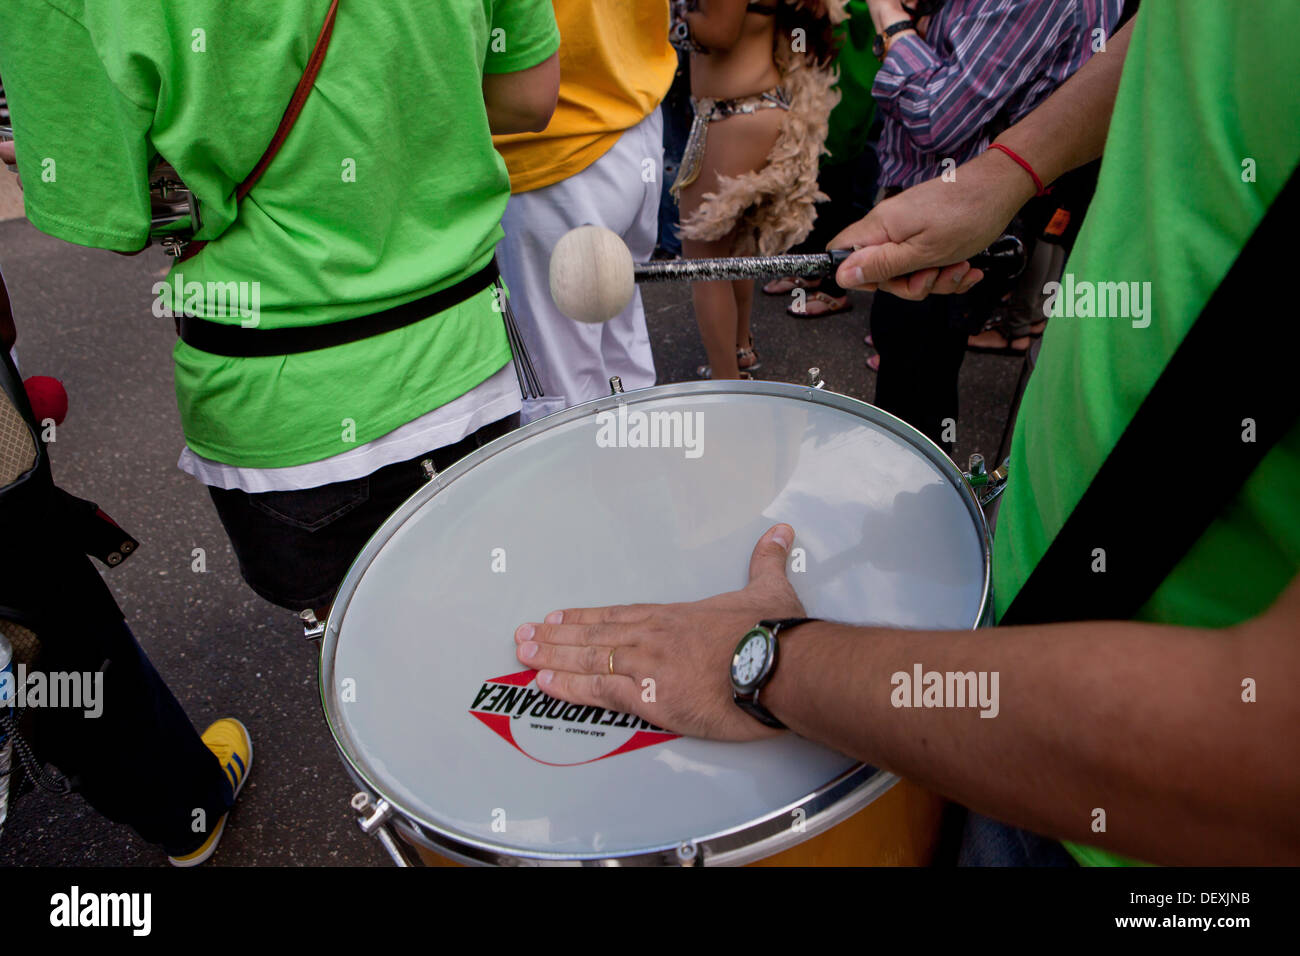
[
  {"x": 1069, "y": 128},
  {"x": 934, "y": 101},
  {"x": 885, "y": 12},
  {"x": 940, "y": 93},
  {"x": 1145, "y": 722},
  {"x": 522, "y": 102}
]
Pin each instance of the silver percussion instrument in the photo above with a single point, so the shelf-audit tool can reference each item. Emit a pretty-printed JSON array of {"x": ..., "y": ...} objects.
[{"x": 656, "y": 495}]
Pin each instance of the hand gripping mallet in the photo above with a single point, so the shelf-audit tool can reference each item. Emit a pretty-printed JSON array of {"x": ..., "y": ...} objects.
[{"x": 592, "y": 273}]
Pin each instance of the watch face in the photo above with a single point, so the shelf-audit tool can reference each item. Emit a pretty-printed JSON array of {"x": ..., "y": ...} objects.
[{"x": 750, "y": 660}]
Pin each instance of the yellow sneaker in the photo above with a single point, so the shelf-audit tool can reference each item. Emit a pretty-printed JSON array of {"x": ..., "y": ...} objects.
[{"x": 228, "y": 739}]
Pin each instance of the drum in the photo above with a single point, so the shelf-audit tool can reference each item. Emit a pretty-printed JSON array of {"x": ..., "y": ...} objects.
[{"x": 656, "y": 495}]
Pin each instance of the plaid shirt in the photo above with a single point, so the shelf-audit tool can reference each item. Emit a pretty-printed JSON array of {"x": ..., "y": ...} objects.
[{"x": 982, "y": 66}]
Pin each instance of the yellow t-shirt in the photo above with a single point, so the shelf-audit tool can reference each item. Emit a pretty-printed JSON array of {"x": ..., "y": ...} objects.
[{"x": 615, "y": 66}]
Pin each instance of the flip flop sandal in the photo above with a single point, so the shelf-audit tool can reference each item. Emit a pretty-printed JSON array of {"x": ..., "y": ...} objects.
[
  {"x": 876, "y": 356},
  {"x": 825, "y": 299},
  {"x": 742, "y": 354},
  {"x": 787, "y": 284},
  {"x": 997, "y": 350}
]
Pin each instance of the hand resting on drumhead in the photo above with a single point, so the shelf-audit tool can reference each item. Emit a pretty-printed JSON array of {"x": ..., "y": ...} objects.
[
  {"x": 1119, "y": 714},
  {"x": 684, "y": 649}
]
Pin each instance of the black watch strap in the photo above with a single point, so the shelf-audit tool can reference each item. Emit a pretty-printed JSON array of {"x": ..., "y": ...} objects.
[
  {"x": 758, "y": 711},
  {"x": 878, "y": 46},
  {"x": 784, "y": 624},
  {"x": 751, "y": 705}
]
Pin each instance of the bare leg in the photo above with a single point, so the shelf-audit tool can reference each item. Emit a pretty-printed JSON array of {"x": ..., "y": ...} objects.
[
  {"x": 736, "y": 145},
  {"x": 715, "y": 310},
  {"x": 743, "y": 292}
]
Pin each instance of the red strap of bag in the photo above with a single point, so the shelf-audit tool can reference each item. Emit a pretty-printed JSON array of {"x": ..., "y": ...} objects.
[{"x": 300, "y": 95}]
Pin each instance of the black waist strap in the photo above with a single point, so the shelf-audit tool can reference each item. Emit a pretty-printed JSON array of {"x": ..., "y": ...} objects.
[{"x": 219, "y": 338}]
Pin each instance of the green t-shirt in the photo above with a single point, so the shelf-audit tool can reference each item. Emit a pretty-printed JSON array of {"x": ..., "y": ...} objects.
[
  {"x": 1207, "y": 87},
  {"x": 387, "y": 189}
]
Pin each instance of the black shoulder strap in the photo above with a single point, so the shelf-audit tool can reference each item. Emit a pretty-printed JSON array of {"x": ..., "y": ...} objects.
[{"x": 1227, "y": 396}]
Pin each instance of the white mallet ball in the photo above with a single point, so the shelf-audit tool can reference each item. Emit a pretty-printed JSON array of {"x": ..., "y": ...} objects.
[{"x": 592, "y": 274}]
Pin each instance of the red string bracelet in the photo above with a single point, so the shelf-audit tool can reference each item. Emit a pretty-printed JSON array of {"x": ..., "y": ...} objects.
[{"x": 1042, "y": 190}]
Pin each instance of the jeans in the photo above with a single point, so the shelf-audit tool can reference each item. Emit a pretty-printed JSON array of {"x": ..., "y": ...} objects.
[
  {"x": 140, "y": 762},
  {"x": 986, "y": 842},
  {"x": 295, "y": 547}
]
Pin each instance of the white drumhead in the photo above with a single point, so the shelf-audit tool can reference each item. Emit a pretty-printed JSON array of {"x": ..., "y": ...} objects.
[{"x": 419, "y": 678}]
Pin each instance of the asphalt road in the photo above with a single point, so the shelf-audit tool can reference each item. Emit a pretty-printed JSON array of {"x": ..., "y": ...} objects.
[{"x": 84, "y": 317}]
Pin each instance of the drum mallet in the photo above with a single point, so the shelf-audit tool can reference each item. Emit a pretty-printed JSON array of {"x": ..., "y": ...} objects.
[{"x": 593, "y": 276}]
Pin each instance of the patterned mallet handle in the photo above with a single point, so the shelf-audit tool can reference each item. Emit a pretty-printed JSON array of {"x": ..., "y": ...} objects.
[{"x": 1004, "y": 259}]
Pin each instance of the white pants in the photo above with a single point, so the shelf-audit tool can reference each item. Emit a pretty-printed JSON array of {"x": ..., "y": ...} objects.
[{"x": 575, "y": 360}]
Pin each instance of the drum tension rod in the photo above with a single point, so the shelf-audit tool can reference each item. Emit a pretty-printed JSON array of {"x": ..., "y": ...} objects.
[
  {"x": 372, "y": 818},
  {"x": 312, "y": 628},
  {"x": 986, "y": 485}
]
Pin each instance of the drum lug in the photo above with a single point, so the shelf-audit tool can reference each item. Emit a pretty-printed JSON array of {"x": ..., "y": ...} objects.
[
  {"x": 688, "y": 854},
  {"x": 615, "y": 385},
  {"x": 985, "y": 484},
  {"x": 372, "y": 818},
  {"x": 815, "y": 378},
  {"x": 312, "y": 628}
]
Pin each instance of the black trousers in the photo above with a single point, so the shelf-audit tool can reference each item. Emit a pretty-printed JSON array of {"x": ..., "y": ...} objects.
[
  {"x": 295, "y": 547},
  {"x": 131, "y": 752},
  {"x": 135, "y": 757},
  {"x": 140, "y": 762},
  {"x": 921, "y": 345},
  {"x": 851, "y": 186}
]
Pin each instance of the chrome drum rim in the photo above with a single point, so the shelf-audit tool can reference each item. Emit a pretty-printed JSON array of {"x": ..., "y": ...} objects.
[{"x": 757, "y": 839}]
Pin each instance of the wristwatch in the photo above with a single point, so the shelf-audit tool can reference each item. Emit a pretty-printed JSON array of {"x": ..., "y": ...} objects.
[
  {"x": 754, "y": 663},
  {"x": 880, "y": 45}
]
